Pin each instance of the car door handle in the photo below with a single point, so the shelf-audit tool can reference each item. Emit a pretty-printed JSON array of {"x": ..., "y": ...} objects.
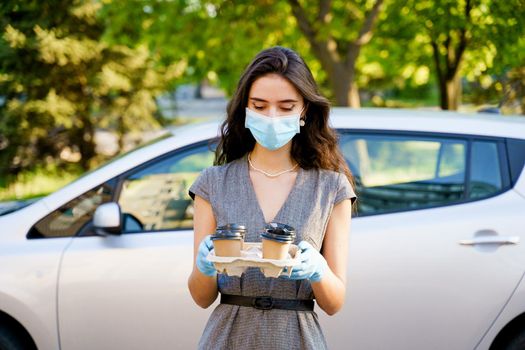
[{"x": 490, "y": 240}]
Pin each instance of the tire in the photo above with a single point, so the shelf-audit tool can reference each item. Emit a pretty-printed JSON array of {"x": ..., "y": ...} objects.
[
  {"x": 518, "y": 342},
  {"x": 9, "y": 340}
]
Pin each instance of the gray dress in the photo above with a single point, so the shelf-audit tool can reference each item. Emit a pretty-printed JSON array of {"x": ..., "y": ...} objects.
[{"x": 230, "y": 192}]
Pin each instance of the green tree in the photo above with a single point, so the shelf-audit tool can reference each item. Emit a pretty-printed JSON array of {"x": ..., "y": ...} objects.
[
  {"x": 60, "y": 81},
  {"x": 514, "y": 91},
  {"x": 465, "y": 36},
  {"x": 394, "y": 69},
  {"x": 215, "y": 39},
  {"x": 336, "y": 31},
  {"x": 218, "y": 38}
]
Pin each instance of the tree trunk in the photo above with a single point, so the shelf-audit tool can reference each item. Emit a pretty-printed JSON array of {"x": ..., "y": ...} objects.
[
  {"x": 340, "y": 67},
  {"x": 345, "y": 89},
  {"x": 448, "y": 56},
  {"x": 442, "y": 85},
  {"x": 450, "y": 93},
  {"x": 85, "y": 138},
  {"x": 121, "y": 131},
  {"x": 341, "y": 86},
  {"x": 454, "y": 92},
  {"x": 353, "y": 96}
]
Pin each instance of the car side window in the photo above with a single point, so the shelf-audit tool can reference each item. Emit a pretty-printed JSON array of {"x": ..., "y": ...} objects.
[
  {"x": 485, "y": 174},
  {"x": 403, "y": 172},
  {"x": 67, "y": 220},
  {"x": 156, "y": 197}
]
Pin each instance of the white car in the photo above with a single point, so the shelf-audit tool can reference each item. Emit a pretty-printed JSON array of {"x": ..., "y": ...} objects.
[{"x": 436, "y": 259}]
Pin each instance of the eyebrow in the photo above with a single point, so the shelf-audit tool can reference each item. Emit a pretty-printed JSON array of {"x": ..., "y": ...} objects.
[{"x": 281, "y": 101}]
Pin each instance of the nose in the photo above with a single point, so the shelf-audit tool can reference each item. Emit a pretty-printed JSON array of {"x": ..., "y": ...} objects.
[{"x": 272, "y": 112}]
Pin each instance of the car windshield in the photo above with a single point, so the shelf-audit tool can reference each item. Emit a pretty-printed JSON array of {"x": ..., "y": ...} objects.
[{"x": 11, "y": 207}]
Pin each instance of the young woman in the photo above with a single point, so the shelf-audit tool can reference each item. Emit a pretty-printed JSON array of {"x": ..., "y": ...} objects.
[{"x": 277, "y": 161}]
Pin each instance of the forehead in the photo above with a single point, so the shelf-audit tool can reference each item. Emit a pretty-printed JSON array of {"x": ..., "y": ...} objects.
[{"x": 273, "y": 87}]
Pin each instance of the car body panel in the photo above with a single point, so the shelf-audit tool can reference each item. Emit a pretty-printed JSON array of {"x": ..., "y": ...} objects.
[
  {"x": 514, "y": 308},
  {"x": 519, "y": 187},
  {"x": 136, "y": 281},
  {"x": 29, "y": 273},
  {"x": 396, "y": 270}
]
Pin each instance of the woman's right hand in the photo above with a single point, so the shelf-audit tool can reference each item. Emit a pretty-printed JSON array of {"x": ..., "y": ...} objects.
[{"x": 205, "y": 266}]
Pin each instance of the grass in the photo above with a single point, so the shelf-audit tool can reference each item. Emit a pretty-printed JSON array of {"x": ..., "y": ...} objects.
[{"x": 37, "y": 183}]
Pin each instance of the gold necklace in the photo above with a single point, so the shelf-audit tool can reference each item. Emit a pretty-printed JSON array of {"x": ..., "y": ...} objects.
[{"x": 268, "y": 174}]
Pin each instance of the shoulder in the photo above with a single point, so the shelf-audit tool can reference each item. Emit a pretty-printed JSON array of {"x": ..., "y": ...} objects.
[
  {"x": 220, "y": 171},
  {"x": 329, "y": 174},
  {"x": 218, "y": 175},
  {"x": 328, "y": 177},
  {"x": 211, "y": 171},
  {"x": 333, "y": 184},
  {"x": 323, "y": 180}
]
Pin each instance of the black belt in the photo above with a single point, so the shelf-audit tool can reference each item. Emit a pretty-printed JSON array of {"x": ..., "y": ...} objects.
[{"x": 268, "y": 303}]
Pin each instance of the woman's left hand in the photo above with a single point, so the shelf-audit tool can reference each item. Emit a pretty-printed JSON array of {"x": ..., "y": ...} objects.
[{"x": 313, "y": 265}]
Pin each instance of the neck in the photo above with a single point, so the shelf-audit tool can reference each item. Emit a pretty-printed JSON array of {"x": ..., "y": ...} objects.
[{"x": 272, "y": 161}]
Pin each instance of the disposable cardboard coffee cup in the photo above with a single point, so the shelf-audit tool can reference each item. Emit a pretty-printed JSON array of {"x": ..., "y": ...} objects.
[
  {"x": 228, "y": 240},
  {"x": 275, "y": 250},
  {"x": 276, "y": 240},
  {"x": 227, "y": 247}
]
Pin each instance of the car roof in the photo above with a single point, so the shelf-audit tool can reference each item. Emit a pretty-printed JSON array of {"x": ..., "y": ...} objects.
[
  {"x": 399, "y": 120},
  {"x": 429, "y": 121}
]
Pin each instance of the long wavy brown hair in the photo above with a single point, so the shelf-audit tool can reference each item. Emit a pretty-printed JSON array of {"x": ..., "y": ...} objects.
[{"x": 316, "y": 146}]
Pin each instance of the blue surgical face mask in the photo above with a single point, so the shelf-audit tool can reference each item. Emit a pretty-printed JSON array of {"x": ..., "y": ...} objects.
[{"x": 272, "y": 132}]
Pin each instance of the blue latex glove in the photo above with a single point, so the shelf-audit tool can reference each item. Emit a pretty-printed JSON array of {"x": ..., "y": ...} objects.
[
  {"x": 313, "y": 264},
  {"x": 204, "y": 265}
]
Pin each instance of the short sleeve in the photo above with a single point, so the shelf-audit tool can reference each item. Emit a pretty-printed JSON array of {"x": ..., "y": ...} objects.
[
  {"x": 201, "y": 186},
  {"x": 344, "y": 190}
]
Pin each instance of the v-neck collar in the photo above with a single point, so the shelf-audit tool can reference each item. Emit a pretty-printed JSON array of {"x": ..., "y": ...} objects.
[{"x": 251, "y": 190}]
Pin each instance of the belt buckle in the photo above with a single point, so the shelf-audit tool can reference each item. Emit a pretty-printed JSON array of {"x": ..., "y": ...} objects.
[{"x": 263, "y": 303}]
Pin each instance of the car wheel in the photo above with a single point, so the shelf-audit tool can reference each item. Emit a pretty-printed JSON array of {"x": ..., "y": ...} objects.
[
  {"x": 10, "y": 340},
  {"x": 518, "y": 342}
]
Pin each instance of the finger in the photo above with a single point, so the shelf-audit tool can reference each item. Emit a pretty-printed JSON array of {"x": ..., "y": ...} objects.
[
  {"x": 304, "y": 245},
  {"x": 301, "y": 267},
  {"x": 204, "y": 250},
  {"x": 298, "y": 276},
  {"x": 306, "y": 257},
  {"x": 294, "y": 275},
  {"x": 208, "y": 242}
]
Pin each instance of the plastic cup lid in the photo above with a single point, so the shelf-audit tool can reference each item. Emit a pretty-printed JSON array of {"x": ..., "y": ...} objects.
[
  {"x": 232, "y": 227},
  {"x": 229, "y": 231},
  {"x": 279, "y": 232}
]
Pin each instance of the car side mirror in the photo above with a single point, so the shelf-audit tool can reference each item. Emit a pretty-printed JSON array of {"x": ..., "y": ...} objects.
[{"x": 107, "y": 219}]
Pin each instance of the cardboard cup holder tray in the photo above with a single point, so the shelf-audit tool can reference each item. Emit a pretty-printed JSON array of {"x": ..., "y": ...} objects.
[{"x": 251, "y": 256}]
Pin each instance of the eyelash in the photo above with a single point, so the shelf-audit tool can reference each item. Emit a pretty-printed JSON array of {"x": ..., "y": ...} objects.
[{"x": 284, "y": 109}]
